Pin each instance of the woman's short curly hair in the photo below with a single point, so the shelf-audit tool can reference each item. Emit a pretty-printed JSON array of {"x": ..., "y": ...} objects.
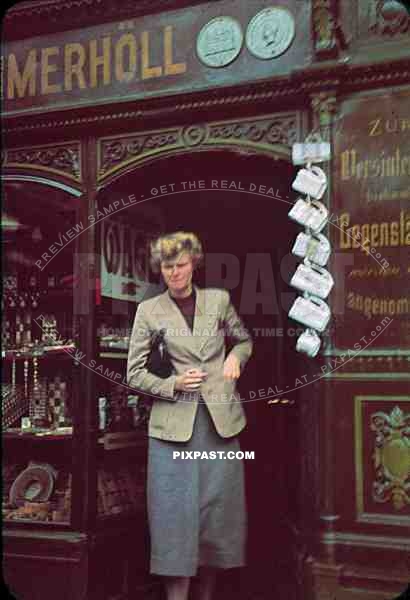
[{"x": 171, "y": 245}]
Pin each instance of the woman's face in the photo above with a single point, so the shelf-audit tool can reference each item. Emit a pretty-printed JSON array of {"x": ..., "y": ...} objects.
[{"x": 177, "y": 273}]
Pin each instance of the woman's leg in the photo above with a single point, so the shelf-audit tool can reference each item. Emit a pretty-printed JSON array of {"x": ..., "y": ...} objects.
[
  {"x": 177, "y": 588},
  {"x": 206, "y": 583}
]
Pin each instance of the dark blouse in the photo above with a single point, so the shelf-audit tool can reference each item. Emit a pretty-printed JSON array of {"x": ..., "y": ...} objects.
[{"x": 187, "y": 307}]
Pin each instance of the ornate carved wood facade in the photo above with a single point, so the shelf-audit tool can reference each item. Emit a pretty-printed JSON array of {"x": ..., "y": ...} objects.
[{"x": 354, "y": 511}]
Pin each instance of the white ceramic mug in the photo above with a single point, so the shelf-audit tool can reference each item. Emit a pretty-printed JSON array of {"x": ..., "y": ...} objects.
[{"x": 308, "y": 343}]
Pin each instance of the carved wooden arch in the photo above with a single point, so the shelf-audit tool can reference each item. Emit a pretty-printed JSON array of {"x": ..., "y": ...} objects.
[
  {"x": 272, "y": 135},
  {"x": 56, "y": 165}
]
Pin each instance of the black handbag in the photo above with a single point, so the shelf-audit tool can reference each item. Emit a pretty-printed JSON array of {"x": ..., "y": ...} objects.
[{"x": 158, "y": 364}]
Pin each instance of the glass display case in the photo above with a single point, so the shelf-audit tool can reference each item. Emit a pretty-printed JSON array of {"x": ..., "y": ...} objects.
[{"x": 38, "y": 386}]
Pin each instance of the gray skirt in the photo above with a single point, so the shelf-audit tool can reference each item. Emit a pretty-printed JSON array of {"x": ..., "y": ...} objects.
[{"x": 196, "y": 507}]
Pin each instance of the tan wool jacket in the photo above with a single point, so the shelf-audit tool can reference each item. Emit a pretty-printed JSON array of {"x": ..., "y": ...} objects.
[{"x": 173, "y": 412}]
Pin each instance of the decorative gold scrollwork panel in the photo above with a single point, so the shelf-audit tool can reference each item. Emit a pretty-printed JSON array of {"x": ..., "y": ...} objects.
[
  {"x": 382, "y": 441},
  {"x": 391, "y": 457},
  {"x": 272, "y": 134},
  {"x": 63, "y": 160}
]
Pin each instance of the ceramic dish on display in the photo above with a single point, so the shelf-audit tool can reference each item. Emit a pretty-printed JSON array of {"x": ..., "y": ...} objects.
[{"x": 34, "y": 484}]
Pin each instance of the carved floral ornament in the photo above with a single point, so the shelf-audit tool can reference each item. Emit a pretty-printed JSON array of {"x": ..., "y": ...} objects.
[
  {"x": 264, "y": 134},
  {"x": 58, "y": 159},
  {"x": 391, "y": 457}
]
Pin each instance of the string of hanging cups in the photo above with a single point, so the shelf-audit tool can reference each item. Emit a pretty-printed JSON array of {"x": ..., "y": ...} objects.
[{"x": 311, "y": 278}]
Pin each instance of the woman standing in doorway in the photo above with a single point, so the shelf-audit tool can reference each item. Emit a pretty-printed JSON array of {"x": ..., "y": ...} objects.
[{"x": 196, "y": 507}]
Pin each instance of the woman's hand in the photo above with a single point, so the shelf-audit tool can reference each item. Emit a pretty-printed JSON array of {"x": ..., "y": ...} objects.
[
  {"x": 232, "y": 367},
  {"x": 190, "y": 380}
]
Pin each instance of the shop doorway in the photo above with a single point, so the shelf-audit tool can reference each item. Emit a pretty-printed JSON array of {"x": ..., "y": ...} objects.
[{"x": 247, "y": 238}]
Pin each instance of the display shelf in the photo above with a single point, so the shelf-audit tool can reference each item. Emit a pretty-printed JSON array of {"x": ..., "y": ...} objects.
[
  {"x": 38, "y": 529},
  {"x": 38, "y": 352},
  {"x": 116, "y": 355},
  {"x": 15, "y": 433},
  {"x": 122, "y": 439},
  {"x": 108, "y": 441},
  {"x": 28, "y": 523}
]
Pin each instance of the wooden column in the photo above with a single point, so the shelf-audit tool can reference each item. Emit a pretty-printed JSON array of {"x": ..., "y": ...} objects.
[
  {"x": 325, "y": 570},
  {"x": 86, "y": 425}
]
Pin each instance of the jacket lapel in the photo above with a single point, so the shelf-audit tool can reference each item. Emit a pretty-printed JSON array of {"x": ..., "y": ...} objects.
[{"x": 206, "y": 312}]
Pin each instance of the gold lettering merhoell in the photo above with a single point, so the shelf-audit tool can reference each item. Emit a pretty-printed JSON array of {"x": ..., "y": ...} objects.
[
  {"x": 365, "y": 236},
  {"x": 98, "y": 62}
]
